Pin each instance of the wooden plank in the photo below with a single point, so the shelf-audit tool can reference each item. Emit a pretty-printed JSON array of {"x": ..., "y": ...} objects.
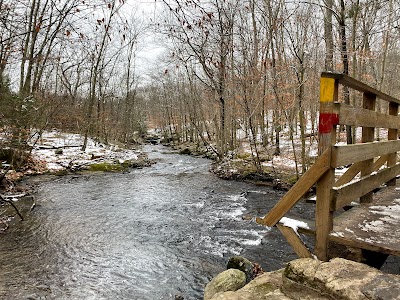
[
  {"x": 343, "y": 155},
  {"x": 356, "y": 168},
  {"x": 349, "y": 174},
  {"x": 294, "y": 241},
  {"x": 359, "y": 86},
  {"x": 360, "y": 117},
  {"x": 349, "y": 192},
  {"x": 369, "y": 101},
  {"x": 359, "y": 244},
  {"x": 393, "y": 135},
  {"x": 373, "y": 226},
  {"x": 380, "y": 162},
  {"x": 301, "y": 187}
]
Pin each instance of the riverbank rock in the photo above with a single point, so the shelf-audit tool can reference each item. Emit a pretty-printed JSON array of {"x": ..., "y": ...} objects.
[
  {"x": 229, "y": 280},
  {"x": 243, "y": 264},
  {"x": 340, "y": 279},
  {"x": 243, "y": 170},
  {"x": 310, "y": 279}
]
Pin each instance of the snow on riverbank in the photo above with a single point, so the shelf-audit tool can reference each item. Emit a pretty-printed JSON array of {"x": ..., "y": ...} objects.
[{"x": 61, "y": 151}]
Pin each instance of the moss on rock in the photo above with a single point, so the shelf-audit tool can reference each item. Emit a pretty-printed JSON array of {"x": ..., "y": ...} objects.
[
  {"x": 229, "y": 280},
  {"x": 107, "y": 167}
]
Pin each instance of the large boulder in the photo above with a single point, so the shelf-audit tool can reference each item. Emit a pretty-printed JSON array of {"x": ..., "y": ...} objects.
[
  {"x": 243, "y": 295},
  {"x": 263, "y": 287},
  {"x": 310, "y": 279},
  {"x": 233, "y": 296},
  {"x": 338, "y": 279},
  {"x": 229, "y": 280},
  {"x": 264, "y": 284}
]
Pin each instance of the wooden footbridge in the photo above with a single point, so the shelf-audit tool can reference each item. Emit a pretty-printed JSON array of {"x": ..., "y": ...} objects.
[{"x": 361, "y": 208}]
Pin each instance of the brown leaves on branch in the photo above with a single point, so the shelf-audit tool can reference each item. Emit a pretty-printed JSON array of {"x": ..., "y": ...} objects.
[{"x": 37, "y": 27}]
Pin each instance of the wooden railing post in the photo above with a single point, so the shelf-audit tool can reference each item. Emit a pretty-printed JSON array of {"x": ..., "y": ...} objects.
[
  {"x": 327, "y": 137},
  {"x": 392, "y": 135},
  {"x": 369, "y": 102}
]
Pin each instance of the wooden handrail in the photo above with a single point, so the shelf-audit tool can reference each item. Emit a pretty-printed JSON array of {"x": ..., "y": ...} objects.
[
  {"x": 360, "y": 117},
  {"x": 358, "y": 85},
  {"x": 343, "y": 155}
]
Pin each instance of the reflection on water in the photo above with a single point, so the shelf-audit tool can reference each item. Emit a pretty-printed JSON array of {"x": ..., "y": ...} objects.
[{"x": 152, "y": 233}]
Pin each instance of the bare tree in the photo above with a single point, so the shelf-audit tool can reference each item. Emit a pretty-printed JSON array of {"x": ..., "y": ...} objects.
[
  {"x": 110, "y": 12},
  {"x": 203, "y": 33}
]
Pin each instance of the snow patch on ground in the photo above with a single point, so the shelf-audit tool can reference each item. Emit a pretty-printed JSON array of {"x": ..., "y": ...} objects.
[
  {"x": 280, "y": 161},
  {"x": 60, "y": 151}
]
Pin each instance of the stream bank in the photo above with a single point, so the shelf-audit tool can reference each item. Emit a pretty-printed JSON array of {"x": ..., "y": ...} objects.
[
  {"x": 57, "y": 154},
  {"x": 240, "y": 166}
]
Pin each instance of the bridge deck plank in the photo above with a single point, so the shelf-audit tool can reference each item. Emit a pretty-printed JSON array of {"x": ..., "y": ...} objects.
[{"x": 373, "y": 226}]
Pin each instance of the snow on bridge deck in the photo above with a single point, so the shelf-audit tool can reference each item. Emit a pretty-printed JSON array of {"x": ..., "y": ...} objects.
[{"x": 374, "y": 226}]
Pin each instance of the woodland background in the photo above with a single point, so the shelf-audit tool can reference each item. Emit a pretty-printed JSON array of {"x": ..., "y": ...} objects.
[{"x": 229, "y": 72}]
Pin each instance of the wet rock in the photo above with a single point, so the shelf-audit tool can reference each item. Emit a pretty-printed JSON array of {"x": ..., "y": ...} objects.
[
  {"x": 141, "y": 163},
  {"x": 242, "y": 264},
  {"x": 185, "y": 151},
  {"x": 247, "y": 217},
  {"x": 242, "y": 170},
  {"x": 229, "y": 280},
  {"x": 154, "y": 140}
]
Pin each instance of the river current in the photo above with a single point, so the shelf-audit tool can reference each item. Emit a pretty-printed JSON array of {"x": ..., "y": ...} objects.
[{"x": 151, "y": 233}]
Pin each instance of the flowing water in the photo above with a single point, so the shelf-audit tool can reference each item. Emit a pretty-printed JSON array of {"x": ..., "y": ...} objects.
[{"x": 152, "y": 233}]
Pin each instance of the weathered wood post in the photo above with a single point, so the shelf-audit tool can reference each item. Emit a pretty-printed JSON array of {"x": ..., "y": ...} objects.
[
  {"x": 327, "y": 137},
  {"x": 369, "y": 102},
  {"x": 392, "y": 135}
]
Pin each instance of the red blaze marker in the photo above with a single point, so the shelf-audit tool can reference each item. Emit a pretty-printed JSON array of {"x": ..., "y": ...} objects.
[{"x": 326, "y": 122}]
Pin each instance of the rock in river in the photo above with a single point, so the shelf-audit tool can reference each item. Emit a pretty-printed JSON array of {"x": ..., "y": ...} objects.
[{"x": 229, "y": 280}]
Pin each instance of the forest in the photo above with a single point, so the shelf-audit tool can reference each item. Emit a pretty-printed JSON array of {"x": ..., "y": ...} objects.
[{"x": 229, "y": 72}]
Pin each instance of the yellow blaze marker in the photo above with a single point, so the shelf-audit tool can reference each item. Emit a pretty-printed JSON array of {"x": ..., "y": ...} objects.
[{"x": 327, "y": 89}]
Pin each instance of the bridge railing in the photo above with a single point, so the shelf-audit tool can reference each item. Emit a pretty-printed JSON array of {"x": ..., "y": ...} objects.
[{"x": 374, "y": 162}]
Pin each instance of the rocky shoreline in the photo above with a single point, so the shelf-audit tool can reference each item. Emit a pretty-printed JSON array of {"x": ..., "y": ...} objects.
[
  {"x": 240, "y": 169},
  {"x": 310, "y": 279}
]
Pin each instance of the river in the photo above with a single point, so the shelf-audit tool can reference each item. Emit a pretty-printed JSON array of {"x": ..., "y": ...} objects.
[{"x": 151, "y": 233}]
